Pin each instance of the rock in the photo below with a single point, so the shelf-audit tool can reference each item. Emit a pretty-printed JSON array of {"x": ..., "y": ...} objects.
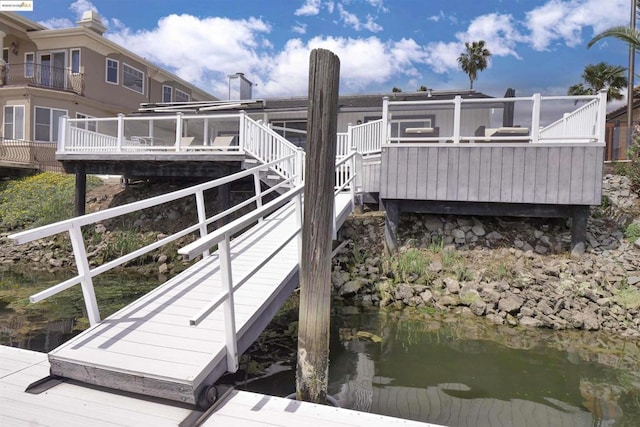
[
  {"x": 452, "y": 285},
  {"x": 591, "y": 322},
  {"x": 530, "y": 322},
  {"x": 478, "y": 307},
  {"x": 404, "y": 293},
  {"x": 633, "y": 280},
  {"x": 352, "y": 287},
  {"x": 478, "y": 230},
  {"x": 510, "y": 304},
  {"x": 163, "y": 268},
  {"x": 495, "y": 319},
  {"x": 162, "y": 258},
  {"x": 339, "y": 278},
  {"x": 427, "y": 296},
  {"x": 432, "y": 223},
  {"x": 448, "y": 300},
  {"x": 458, "y": 234},
  {"x": 494, "y": 235}
]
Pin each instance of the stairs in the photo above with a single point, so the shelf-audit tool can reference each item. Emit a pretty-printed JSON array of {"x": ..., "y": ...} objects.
[{"x": 268, "y": 177}]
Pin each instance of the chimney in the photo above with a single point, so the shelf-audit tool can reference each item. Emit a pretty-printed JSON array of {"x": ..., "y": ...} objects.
[
  {"x": 92, "y": 21},
  {"x": 239, "y": 87}
]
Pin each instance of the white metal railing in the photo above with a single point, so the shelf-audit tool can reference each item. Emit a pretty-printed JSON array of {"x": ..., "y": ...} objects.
[
  {"x": 581, "y": 123},
  {"x": 174, "y": 133},
  {"x": 74, "y": 226},
  {"x": 585, "y": 124},
  {"x": 367, "y": 138},
  {"x": 266, "y": 145}
]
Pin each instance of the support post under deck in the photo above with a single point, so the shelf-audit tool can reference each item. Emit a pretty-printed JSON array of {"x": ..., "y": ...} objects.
[
  {"x": 81, "y": 189},
  {"x": 391, "y": 220},
  {"x": 579, "y": 230}
]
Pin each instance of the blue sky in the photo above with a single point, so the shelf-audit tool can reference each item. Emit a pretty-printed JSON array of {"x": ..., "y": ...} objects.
[{"x": 537, "y": 45}]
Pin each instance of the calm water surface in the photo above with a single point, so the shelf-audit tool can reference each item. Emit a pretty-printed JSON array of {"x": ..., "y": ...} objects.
[{"x": 463, "y": 372}]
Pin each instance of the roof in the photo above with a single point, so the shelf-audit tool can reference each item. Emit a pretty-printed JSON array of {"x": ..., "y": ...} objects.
[{"x": 356, "y": 101}]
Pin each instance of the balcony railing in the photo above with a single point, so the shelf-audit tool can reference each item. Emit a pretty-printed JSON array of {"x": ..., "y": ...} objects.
[
  {"x": 44, "y": 76},
  {"x": 37, "y": 155}
]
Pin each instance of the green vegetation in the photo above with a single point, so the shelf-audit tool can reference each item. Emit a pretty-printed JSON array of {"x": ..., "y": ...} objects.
[
  {"x": 628, "y": 297},
  {"x": 412, "y": 264},
  {"x": 632, "y": 232},
  {"x": 601, "y": 76},
  {"x": 474, "y": 59},
  {"x": 38, "y": 200}
]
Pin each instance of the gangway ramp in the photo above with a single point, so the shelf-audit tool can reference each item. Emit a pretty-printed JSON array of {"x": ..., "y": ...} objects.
[{"x": 179, "y": 339}]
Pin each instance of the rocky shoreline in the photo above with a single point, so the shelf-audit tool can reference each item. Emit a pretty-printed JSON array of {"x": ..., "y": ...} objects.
[{"x": 510, "y": 270}]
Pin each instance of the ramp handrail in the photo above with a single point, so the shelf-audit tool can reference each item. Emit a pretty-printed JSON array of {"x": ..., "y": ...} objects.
[
  {"x": 74, "y": 227},
  {"x": 345, "y": 179}
]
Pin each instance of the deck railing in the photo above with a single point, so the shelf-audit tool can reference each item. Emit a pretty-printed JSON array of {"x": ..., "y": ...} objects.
[
  {"x": 266, "y": 145},
  {"x": 585, "y": 124},
  {"x": 39, "y": 155},
  {"x": 174, "y": 133},
  {"x": 366, "y": 138}
]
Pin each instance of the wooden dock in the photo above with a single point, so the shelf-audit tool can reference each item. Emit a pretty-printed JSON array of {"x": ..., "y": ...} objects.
[
  {"x": 149, "y": 346},
  {"x": 72, "y": 404}
]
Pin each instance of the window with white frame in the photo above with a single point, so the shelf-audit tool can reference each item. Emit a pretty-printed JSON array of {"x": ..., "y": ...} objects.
[
  {"x": 13, "y": 122},
  {"x": 75, "y": 61},
  {"x": 167, "y": 93},
  {"x": 91, "y": 125},
  {"x": 111, "y": 71},
  {"x": 46, "y": 123},
  {"x": 294, "y": 131},
  {"x": 132, "y": 78},
  {"x": 29, "y": 61},
  {"x": 182, "y": 96}
]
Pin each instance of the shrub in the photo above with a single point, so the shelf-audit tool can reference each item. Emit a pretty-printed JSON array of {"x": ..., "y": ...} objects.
[
  {"x": 632, "y": 169},
  {"x": 38, "y": 200},
  {"x": 632, "y": 232}
]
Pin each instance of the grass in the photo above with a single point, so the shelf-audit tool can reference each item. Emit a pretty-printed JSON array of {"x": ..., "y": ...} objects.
[{"x": 628, "y": 297}]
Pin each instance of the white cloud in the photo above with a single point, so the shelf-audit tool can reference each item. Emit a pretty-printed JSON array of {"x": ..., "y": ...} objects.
[
  {"x": 56, "y": 23},
  {"x": 564, "y": 21},
  {"x": 199, "y": 50},
  {"x": 442, "y": 56},
  {"x": 436, "y": 18},
  {"x": 498, "y": 31},
  {"x": 352, "y": 20},
  {"x": 81, "y": 6},
  {"x": 309, "y": 8},
  {"x": 299, "y": 28},
  {"x": 378, "y": 4}
]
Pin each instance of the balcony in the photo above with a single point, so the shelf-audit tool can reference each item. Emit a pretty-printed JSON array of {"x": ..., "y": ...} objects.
[{"x": 43, "y": 76}]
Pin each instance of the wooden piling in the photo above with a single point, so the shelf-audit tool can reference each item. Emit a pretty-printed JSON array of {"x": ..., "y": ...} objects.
[{"x": 315, "y": 268}]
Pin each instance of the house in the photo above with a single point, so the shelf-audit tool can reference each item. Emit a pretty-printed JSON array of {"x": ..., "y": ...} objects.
[
  {"x": 74, "y": 72},
  {"x": 616, "y": 129}
]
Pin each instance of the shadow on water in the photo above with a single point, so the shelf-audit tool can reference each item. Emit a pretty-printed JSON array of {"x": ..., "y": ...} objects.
[{"x": 464, "y": 372}]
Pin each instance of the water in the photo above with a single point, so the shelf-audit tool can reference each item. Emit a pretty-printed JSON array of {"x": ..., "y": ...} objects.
[
  {"x": 45, "y": 325},
  {"x": 463, "y": 372},
  {"x": 415, "y": 365}
]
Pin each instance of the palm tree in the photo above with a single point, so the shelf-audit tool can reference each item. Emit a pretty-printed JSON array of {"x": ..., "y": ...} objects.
[
  {"x": 626, "y": 34},
  {"x": 601, "y": 76},
  {"x": 474, "y": 60}
]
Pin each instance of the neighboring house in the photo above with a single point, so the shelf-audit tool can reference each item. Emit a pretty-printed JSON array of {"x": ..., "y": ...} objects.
[
  {"x": 75, "y": 72},
  {"x": 616, "y": 130}
]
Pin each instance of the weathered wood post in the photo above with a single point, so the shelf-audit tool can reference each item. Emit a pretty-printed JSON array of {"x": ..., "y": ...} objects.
[{"x": 315, "y": 268}]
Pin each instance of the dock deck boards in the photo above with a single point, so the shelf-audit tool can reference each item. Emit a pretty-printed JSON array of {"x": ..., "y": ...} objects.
[
  {"x": 148, "y": 347},
  {"x": 71, "y": 404}
]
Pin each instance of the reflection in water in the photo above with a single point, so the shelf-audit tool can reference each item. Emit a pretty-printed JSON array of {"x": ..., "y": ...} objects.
[{"x": 429, "y": 371}]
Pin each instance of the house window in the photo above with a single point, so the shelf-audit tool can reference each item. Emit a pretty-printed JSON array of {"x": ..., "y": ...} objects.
[
  {"x": 182, "y": 96},
  {"x": 14, "y": 121},
  {"x": 46, "y": 123},
  {"x": 29, "y": 60},
  {"x": 91, "y": 125},
  {"x": 294, "y": 131},
  {"x": 5, "y": 55},
  {"x": 75, "y": 61},
  {"x": 132, "y": 78},
  {"x": 167, "y": 93},
  {"x": 112, "y": 71}
]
